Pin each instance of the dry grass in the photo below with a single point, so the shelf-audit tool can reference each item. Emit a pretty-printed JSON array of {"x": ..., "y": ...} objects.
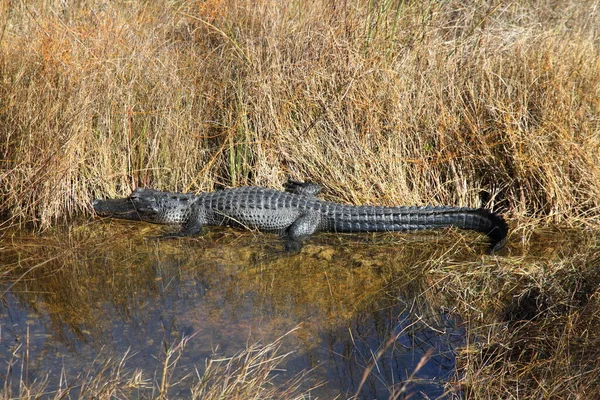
[
  {"x": 532, "y": 322},
  {"x": 390, "y": 102},
  {"x": 493, "y": 103},
  {"x": 247, "y": 375}
]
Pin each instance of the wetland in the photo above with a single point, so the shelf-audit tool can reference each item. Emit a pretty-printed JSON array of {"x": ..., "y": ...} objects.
[
  {"x": 370, "y": 316},
  {"x": 490, "y": 104}
]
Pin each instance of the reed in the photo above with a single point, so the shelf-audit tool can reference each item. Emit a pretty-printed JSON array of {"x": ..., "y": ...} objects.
[
  {"x": 474, "y": 103},
  {"x": 393, "y": 102}
]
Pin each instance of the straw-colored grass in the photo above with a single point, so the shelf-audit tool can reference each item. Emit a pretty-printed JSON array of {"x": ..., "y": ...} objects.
[
  {"x": 474, "y": 103},
  {"x": 247, "y": 375},
  {"x": 532, "y": 321},
  {"x": 493, "y": 103}
]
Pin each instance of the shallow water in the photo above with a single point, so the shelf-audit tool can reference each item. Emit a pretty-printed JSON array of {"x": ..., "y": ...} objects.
[{"x": 80, "y": 295}]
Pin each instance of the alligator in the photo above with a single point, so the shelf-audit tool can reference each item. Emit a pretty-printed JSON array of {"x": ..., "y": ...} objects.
[{"x": 295, "y": 213}]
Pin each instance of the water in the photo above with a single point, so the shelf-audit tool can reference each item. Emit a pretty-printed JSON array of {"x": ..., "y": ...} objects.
[{"x": 79, "y": 296}]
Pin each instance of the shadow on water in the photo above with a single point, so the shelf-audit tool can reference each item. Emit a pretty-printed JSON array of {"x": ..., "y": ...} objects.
[{"x": 99, "y": 291}]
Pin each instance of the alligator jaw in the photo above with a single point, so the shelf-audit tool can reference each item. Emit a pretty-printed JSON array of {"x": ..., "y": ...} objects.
[{"x": 117, "y": 208}]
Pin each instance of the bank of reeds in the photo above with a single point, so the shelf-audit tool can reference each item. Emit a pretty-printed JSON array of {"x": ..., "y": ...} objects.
[
  {"x": 474, "y": 103},
  {"x": 493, "y": 103}
]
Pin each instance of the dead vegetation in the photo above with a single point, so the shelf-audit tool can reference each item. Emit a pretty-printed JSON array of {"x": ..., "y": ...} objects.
[
  {"x": 394, "y": 102},
  {"x": 493, "y": 103}
]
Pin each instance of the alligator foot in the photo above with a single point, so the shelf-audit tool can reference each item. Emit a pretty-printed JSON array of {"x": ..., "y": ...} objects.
[{"x": 292, "y": 246}]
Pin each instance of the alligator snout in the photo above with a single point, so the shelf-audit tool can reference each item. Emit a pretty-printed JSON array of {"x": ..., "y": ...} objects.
[{"x": 117, "y": 208}]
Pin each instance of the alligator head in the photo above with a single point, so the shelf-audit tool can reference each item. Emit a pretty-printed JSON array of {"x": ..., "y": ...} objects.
[
  {"x": 117, "y": 208},
  {"x": 147, "y": 205}
]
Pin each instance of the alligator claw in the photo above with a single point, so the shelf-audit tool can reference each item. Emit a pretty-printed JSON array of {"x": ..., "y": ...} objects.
[{"x": 292, "y": 246}]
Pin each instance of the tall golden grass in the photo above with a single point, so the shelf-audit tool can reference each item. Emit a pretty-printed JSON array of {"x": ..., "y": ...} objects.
[
  {"x": 490, "y": 102},
  {"x": 493, "y": 103}
]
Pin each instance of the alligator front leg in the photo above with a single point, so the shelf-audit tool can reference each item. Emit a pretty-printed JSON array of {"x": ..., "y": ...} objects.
[
  {"x": 190, "y": 228},
  {"x": 304, "y": 226}
]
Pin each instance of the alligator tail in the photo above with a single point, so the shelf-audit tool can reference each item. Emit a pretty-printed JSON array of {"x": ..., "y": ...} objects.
[
  {"x": 378, "y": 219},
  {"x": 498, "y": 231}
]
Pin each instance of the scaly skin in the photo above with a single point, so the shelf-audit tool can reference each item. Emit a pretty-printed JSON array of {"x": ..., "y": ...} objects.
[{"x": 295, "y": 214}]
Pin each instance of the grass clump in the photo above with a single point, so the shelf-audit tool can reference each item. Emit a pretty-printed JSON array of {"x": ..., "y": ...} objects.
[
  {"x": 249, "y": 374},
  {"x": 532, "y": 323}
]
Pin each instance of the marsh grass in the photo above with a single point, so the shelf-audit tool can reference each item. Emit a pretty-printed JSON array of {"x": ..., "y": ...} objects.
[
  {"x": 532, "y": 321},
  {"x": 393, "y": 102},
  {"x": 476, "y": 103},
  {"x": 249, "y": 374}
]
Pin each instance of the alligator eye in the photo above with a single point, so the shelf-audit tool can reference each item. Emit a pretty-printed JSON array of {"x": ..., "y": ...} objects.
[{"x": 147, "y": 211}]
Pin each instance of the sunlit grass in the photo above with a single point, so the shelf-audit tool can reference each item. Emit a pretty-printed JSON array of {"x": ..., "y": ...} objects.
[
  {"x": 246, "y": 375},
  {"x": 471, "y": 103},
  {"x": 382, "y": 102},
  {"x": 532, "y": 320}
]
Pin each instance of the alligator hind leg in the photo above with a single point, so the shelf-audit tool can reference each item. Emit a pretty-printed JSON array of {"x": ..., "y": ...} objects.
[
  {"x": 303, "y": 188},
  {"x": 304, "y": 226}
]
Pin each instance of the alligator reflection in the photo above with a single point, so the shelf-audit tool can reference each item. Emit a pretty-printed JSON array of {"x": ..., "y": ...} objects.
[{"x": 101, "y": 290}]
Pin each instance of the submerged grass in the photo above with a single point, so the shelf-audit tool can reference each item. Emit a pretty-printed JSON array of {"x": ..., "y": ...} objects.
[
  {"x": 69, "y": 277},
  {"x": 530, "y": 316}
]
